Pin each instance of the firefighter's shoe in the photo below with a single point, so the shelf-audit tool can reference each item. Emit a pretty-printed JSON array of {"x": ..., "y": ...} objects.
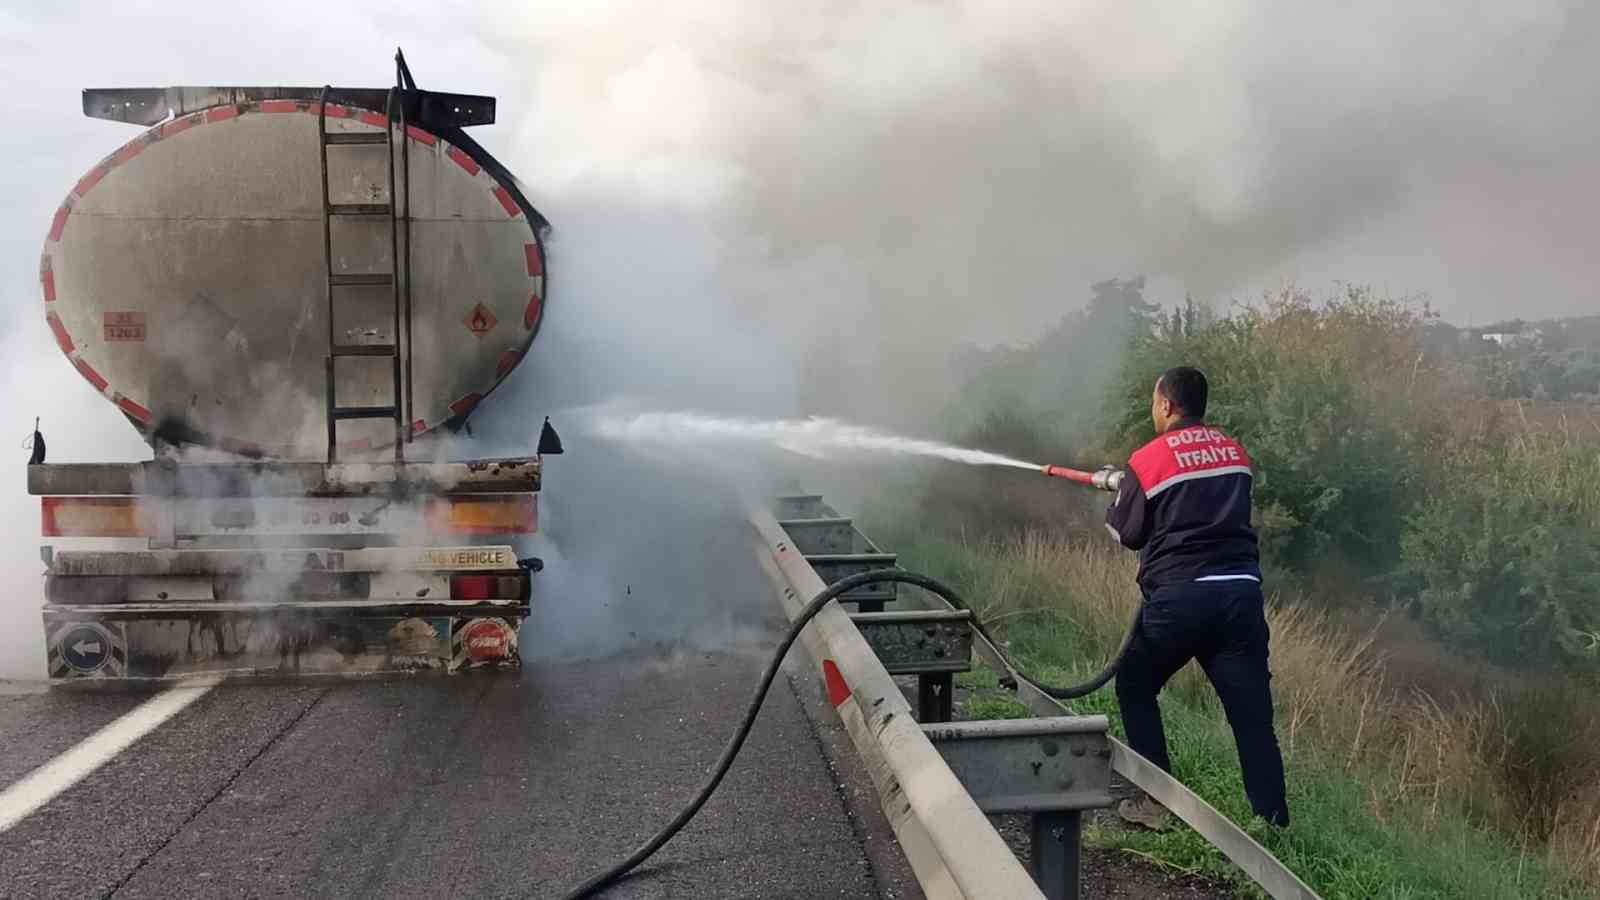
[{"x": 1145, "y": 812}]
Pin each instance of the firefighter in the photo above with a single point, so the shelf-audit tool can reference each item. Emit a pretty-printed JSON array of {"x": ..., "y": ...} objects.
[{"x": 1184, "y": 504}]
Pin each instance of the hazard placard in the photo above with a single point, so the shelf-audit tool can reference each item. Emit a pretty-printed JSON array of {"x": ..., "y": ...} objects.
[
  {"x": 480, "y": 320},
  {"x": 127, "y": 325}
]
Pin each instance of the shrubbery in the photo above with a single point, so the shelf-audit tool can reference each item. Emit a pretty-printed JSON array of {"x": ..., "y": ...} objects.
[{"x": 1382, "y": 462}]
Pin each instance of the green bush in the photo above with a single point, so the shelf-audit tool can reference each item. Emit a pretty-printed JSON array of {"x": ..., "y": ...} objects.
[
  {"x": 1382, "y": 460},
  {"x": 1305, "y": 387},
  {"x": 1507, "y": 569}
]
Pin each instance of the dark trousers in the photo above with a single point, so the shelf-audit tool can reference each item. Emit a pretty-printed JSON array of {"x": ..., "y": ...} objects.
[{"x": 1222, "y": 624}]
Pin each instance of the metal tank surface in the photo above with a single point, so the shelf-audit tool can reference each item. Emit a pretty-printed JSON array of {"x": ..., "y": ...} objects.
[{"x": 189, "y": 278}]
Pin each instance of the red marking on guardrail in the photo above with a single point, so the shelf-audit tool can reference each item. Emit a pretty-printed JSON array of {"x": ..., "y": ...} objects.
[
  {"x": 47, "y": 280},
  {"x": 463, "y": 160},
  {"x": 279, "y": 106},
  {"x": 535, "y": 264},
  {"x": 838, "y": 690},
  {"x": 419, "y": 427},
  {"x": 88, "y": 372},
  {"x": 221, "y": 113},
  {"x": 372, "y": 118},
  {"x": 63, "y": 340},
  {"x": 504, "y": 196},
  {"x": 466, "y": 404},
  {"x": 417, "y": 134},
  {"x": 335, "y": 111}
]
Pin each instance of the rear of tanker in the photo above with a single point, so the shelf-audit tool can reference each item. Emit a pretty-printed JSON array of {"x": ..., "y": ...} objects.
[{"x": 294, "y": 295}]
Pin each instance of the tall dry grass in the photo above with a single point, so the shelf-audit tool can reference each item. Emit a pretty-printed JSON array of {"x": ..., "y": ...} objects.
[{"x": 1432, "y": 735}]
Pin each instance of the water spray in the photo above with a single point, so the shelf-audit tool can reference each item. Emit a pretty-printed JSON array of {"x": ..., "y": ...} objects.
[{"x": 819, "y": 438}]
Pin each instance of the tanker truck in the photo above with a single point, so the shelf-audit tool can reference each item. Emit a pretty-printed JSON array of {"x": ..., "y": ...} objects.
[{"x": 294, "y": 295}]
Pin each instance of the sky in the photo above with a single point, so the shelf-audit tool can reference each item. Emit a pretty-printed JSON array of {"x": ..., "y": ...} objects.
[{"x": 752, "y": 199}]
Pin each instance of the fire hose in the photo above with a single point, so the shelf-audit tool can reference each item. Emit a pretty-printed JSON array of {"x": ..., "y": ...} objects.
[{"x": 1106, "y": 479}]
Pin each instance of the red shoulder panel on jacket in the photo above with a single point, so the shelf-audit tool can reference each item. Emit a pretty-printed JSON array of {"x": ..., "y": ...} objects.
[{"x": 1199, "y": 451}]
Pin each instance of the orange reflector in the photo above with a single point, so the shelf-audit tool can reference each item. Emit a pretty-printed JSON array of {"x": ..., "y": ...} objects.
[
  {"x": 488, "y": 514},
  {"x": 92, "y": 517}
]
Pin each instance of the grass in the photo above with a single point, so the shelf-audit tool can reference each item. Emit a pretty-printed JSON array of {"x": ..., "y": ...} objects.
[{"x": 1395, "y": 792}]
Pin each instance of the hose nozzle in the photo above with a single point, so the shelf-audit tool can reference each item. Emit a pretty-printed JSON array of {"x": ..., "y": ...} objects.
[{"x": 1107, "y": 478}]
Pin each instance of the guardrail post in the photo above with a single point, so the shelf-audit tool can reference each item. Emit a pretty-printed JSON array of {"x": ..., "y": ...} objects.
[
  {"x": 1057, "y": 839},
  {"x": 934, "y": 702},
  {"x": 1050, "y": 769}
]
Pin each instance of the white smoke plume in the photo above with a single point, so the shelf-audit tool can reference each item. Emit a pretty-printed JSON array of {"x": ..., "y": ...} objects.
[{"x": 776, "y": 210}]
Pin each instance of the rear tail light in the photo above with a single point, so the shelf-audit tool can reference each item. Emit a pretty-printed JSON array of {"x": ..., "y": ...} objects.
[
  {"x": 488, "y": 587},
  {"x": 490, "y": 514},
  {"x": 92, "y": 517}
]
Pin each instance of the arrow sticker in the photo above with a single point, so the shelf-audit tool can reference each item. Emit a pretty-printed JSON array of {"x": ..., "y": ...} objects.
[{"x": 85, "y": 648}]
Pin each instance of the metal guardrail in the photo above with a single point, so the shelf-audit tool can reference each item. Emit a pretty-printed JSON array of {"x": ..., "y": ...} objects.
[
  {"x": 1244, "y": 851},
  {"x": 949, "y": 842},
  {"x": 1266, "y": 870}
]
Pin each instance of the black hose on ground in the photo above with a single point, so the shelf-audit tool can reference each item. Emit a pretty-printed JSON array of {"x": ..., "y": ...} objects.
[{"x": 612, "y": 875}]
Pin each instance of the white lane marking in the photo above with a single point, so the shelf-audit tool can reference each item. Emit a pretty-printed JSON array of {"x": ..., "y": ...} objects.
[{"x": 45, "y": 783}]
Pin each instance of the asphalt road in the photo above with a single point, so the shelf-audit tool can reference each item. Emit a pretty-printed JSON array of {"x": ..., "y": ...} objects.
[{"x": 500, "y": 785}]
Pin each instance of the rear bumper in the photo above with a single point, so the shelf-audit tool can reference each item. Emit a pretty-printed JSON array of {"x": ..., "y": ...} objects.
[
  {"x": 89, "y": 645},
  {"x": 177, "y": 614}
]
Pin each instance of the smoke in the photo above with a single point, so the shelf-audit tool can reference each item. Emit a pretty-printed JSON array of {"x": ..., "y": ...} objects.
[
  {"x": 772, "y": 211},
  {"x": 913, "y": 173},
  {"x": 79, "y": 426}
]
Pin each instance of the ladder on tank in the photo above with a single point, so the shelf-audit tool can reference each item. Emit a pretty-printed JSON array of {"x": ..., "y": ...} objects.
[{"x": 397, "y": 278}]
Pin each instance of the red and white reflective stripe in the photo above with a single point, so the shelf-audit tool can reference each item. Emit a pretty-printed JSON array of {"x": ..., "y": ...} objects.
[
  {"x": 63, "y": 340},
  {"x": 87, "y": 182},
  {"x": 88, "y": 372},
  {"x": 47, "y": 280},
  {"x": 466, "y": 404},
  {"x": 463, "y": 160},
  {"x": 507, "y": 201},
  {"x": 180, "y": 125},
  {"x": 170, "y": 129},
  {"x": 133, "y": 409},
  {"x": 508, "y": 361},
  {"x": 91, "y": 517},
  {"x": 1191, "y": 476},
  {"x": 530, "y": 316},
  {"x": 58, "y": 224}
]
